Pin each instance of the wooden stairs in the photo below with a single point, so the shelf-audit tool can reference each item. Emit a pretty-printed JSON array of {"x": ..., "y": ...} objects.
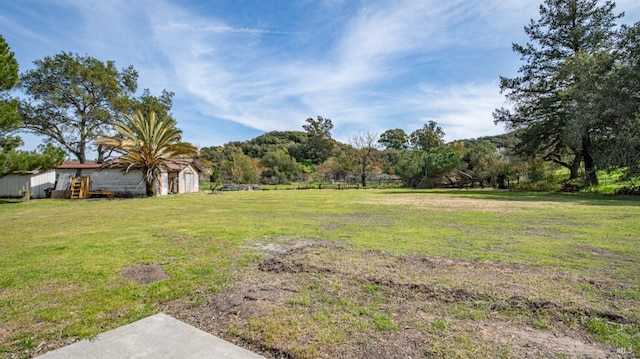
[{"x": 80, "y": 187}]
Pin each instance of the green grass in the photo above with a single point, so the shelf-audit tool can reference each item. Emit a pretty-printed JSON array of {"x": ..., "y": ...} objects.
[
  {"x": 61, "y": 260},
  {"x": 611, "y": 181}
]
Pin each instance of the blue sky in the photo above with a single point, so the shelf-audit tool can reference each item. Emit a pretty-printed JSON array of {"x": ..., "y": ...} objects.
[{"x": 240, "y": 68}]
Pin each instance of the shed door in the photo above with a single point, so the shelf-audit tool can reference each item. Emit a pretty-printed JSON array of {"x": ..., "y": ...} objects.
[{"x": 188, "y": 182}]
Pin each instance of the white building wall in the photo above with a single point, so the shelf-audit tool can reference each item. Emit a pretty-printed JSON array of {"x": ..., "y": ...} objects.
[
  {"x": 12, "y": 185},
  {"x": 40, "y": 182},
  {"x": 122, "y": 184}
]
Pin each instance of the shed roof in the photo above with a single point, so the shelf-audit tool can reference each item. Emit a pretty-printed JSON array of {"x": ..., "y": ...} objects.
[
  {"x": 75, "y": 165},
  {"x": 178, "y": 165},
  {"x": 174, "y": 165}
]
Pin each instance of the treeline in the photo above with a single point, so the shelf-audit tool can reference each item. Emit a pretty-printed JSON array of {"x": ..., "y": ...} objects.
[{"x": 418, "y": 159}]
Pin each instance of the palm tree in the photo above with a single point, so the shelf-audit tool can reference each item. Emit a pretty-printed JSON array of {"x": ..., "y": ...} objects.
[{"x": 148, "y": 143}]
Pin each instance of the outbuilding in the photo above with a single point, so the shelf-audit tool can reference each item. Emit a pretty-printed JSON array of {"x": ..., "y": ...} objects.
[
  {"x": 101, "y": 178},
  {"x": 177, "y": 177},
  {"x": 38, "y": 184},
  {"x": 180, "y": 177}
]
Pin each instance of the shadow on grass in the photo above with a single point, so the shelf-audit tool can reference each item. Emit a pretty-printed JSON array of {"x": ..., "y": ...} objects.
[
  {"x": 10, "y": 200},
  {"x": 524, "y": 196}
]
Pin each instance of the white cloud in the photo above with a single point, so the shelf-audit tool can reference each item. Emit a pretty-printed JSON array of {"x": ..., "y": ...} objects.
[{"x": 465, "y": 111}]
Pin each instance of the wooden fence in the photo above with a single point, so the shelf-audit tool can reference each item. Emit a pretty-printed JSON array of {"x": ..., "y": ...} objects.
[{"x": 339, "y": 186}]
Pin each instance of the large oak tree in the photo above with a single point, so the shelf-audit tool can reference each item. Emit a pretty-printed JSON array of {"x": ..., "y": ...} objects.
[{"x": 73, "y": 100}]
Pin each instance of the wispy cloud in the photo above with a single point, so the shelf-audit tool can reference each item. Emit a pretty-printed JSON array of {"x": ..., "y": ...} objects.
[{"x": 227, "y": 29}]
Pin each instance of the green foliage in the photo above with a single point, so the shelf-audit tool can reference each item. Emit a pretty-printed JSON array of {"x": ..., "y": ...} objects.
[
  {"x": 428, "y": 137},
  {"x": 479, "y": 160},
  {"x": 388, "y": 160},
  {"x": 320, "y": 144},
  {"x": 239, "y": 168},
  {"x": 410, "y": 167},
  {"x": 440, "y": 160},
  {"x": 394, "y": 139},
  {"x": 47, "y": 157},
  {"x": 488, "y": 163},
  {"x": 149, "y": 143},
  {"x": 338, "y": 166},
  {"x": 213, "y": 154},
  {"x": 9, "y": 118},
  {"x": 421, "y": 168},
  {"x": 75, "y": 99},
  {"x": 230, "y": 164},
  {"x": 147, "y": 103},
  {"x": 290, "y": 141},
  {"x": 8, "y": 67},
  {"x": 557, "y": 94},
  {"x": 621, "y": 146},
  {"x": 280, "y": 167}
]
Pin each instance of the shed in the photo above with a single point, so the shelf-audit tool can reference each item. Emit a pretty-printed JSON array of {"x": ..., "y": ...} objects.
[
  {"x": 113, "y": 179},
  {"x": 35, "y": 182},
  {"x": 180, "y": 176}
]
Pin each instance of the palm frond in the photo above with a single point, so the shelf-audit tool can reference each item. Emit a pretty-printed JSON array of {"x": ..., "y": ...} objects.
[{"x": 149, "y": 143}]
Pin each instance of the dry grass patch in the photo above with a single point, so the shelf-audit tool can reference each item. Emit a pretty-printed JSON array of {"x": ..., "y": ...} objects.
[{"x": 458, "y": 204}]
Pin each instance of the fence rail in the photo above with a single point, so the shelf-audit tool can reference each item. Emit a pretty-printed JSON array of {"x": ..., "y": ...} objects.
[{"x": 339, "y": 186}]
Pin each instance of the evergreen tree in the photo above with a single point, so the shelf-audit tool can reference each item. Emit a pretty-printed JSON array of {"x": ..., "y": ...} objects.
[
  {"x": 9, "y": 118},
  {"x": 569, "y": 54}
]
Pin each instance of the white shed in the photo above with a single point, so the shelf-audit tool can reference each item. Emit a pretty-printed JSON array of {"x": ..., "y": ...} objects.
[{"x": 35, "y": 182}]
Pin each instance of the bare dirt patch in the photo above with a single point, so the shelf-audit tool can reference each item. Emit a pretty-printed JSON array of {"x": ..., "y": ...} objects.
[
  {"x": 311, "y": 298},
  {"x": 144, "y": 274}
]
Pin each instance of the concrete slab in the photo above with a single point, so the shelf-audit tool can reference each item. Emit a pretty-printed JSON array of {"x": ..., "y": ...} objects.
[{"x": 159, "y": 337}]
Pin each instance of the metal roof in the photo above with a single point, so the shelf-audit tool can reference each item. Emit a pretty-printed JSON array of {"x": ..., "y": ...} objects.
[{"x": 74, "y": 165}]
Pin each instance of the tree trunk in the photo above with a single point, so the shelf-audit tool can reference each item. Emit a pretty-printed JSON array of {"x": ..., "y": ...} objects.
[
  {"x": 100, "y": 151},
  {"x": 149, "y": 188},
  {"x": 502, "y": 179},
  {"x": 150, "y": 182},
  {"x": 591, "y": 177},
  {"x": 81, "y": 154},
  {"x": 575, "y": 168}
]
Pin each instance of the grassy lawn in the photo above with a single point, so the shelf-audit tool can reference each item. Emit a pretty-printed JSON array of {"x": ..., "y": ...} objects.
[{"x": 322, "y": 273}]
